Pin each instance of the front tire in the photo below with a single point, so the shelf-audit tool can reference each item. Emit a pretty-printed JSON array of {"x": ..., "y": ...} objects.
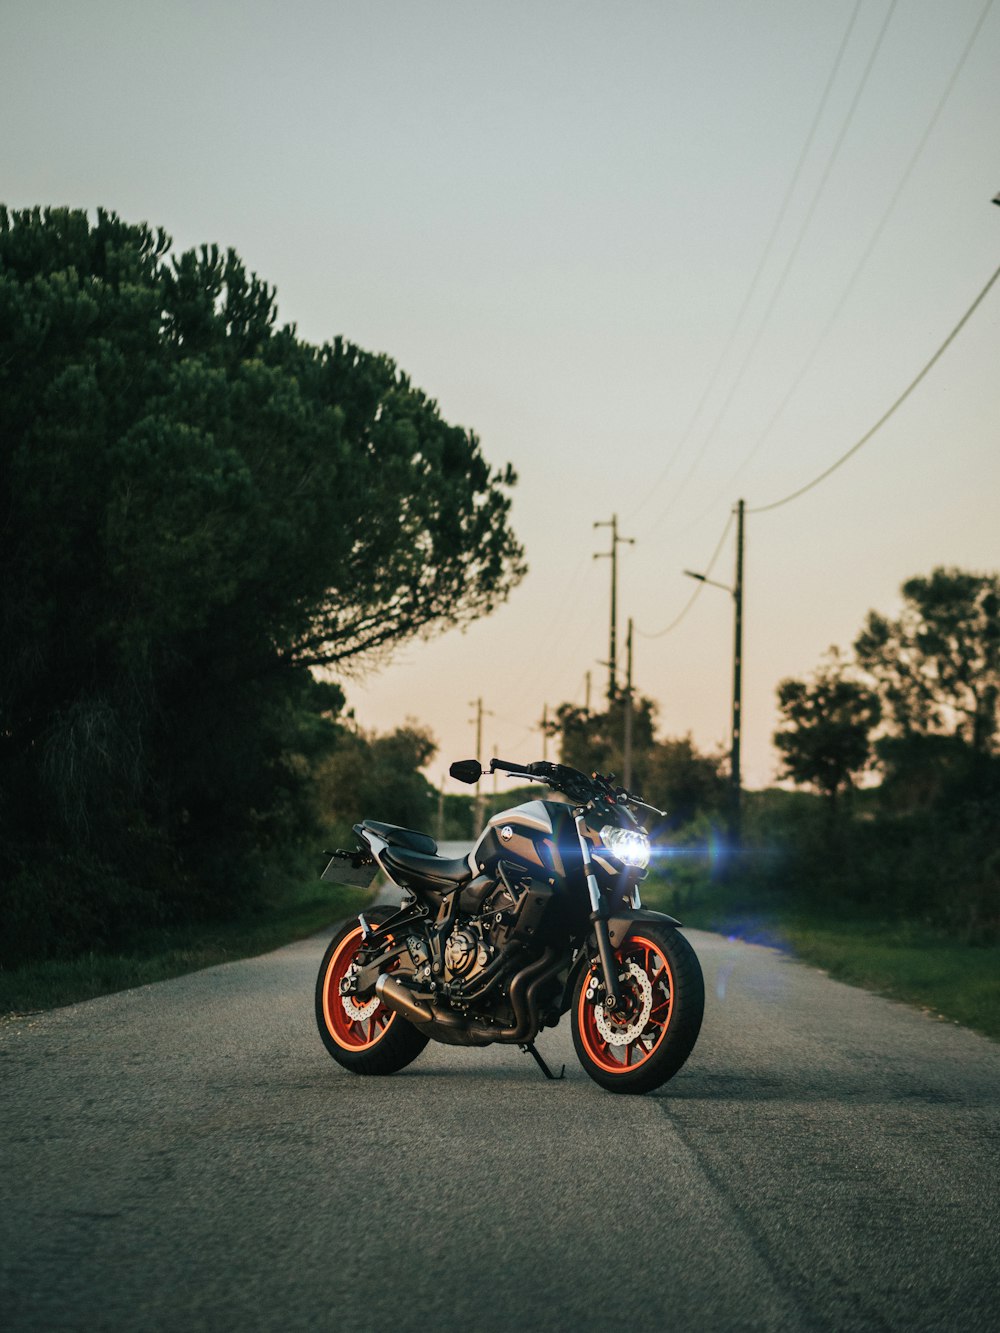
[
  {"x": 645, "y": 1046},
  {"x": 365, "y": 1038}
]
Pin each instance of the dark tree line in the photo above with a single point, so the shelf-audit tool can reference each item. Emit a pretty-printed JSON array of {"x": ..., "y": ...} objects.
[
  {"x": 921, "y": 687},
  {"x": 197, "y": 510},
  {"x": 918, "y": 709}
]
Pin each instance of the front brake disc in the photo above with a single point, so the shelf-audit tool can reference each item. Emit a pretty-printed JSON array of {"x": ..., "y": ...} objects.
[{"x": 621, "y": 1034}]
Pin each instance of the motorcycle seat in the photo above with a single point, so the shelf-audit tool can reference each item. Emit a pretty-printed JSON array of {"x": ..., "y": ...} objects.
[
  {"x": 401, "y": 837},
  {"x": 433, "y": 872}
]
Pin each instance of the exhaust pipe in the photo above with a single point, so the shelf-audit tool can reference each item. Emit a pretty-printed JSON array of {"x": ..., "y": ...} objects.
[
  {"x": 524, "y": 1005},
  {"x": 522, "y": 985},
  {"x": 531, "y": 999},
  {"x": 394, "y": 995},
  {"x": 523, "y": 998}
]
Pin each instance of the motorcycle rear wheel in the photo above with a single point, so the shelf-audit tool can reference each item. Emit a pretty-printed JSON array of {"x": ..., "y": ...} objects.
[
  {"x": 645, "y": 1046},
  {"x": 364, "y": 1038}
]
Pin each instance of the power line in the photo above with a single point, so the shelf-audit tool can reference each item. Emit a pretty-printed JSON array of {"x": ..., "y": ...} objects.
[
  {"x": 544, "y": 685},
  {"x": 697, "y": 592},
  {"x": 765, "y": 255},
  {"x": 790, "y": 261},
  {"x": 869, "y": 250},
  {"x": 776, "y": 504},
  {"x": 555, "y": 629}
]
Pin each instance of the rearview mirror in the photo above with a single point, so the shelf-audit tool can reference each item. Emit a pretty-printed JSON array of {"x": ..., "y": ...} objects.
[{"x": 467, "y": 770}]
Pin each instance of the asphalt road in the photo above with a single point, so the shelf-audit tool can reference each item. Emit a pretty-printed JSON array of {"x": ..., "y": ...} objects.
[{"x": 186, "y": 1156}]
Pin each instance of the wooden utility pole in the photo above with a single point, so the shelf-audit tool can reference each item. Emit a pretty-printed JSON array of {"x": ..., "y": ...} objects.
[
  {"x": 736, "y": 592},
  {"x": 545, "y": 731},
  {"x": 736, "y": 818},
  {"x": 587, "y": 694},
  {"x": 616, "y": 541},
  {"x": 627, "y": 761},
  {"x": 481, "y": 712}
]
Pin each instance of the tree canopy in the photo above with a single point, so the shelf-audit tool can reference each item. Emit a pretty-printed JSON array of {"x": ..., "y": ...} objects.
[
  {"x": 930, "y": 684},
  {"x": 937, "y": 664},
  {"x": 827, "y": 723},
  {"x": 366, "y": 773},
  {"x": 925, "y": 689},
  {"x": 198, "y": 507},
  {"x": 671, "y": 773}
]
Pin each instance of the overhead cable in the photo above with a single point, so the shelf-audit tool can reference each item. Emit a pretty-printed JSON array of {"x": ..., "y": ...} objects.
[
  {"x": 556, "y": 627},
  {"x": 698, "y": 587},
  {"x": 790, "y": 261},
  {"x": 862, "y": 262},
  {"x": 776, "y": 504},
  {"x": 765, "y": 255}
]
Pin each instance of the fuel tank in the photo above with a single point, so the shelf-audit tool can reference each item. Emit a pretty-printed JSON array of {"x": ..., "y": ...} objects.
[{"x": 539, "y": 839}]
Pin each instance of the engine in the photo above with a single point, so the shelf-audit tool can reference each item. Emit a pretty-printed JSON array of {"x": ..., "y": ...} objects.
[
  {"x": 491, "y": 977},
  {"x": 466, "y": 952},
  {"x": 482, "y": 951}
]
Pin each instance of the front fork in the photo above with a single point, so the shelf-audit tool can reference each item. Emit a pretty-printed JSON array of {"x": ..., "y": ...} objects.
[{"x": 612, "y": 992}]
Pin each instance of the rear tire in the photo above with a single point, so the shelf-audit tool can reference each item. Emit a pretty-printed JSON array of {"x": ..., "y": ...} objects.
[
  {"x": 644, "y": 1047},
  {"x": 365, "y": 1038}
]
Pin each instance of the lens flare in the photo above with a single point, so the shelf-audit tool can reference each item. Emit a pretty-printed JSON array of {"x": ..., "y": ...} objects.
[{"x": 629, "y": 845}]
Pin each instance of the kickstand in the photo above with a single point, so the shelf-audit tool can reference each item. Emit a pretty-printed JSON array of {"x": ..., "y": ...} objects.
[{"x": 529, "y": 1049}]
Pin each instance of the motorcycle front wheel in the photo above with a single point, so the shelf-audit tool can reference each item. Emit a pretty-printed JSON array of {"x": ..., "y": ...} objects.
[
  {"x": 639, "y": 1048},
  {"x": 363, "y": 1036}
]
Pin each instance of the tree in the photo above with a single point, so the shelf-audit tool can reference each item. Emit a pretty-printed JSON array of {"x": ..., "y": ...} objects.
[
  {"x": 199, "y": 509},
  {"x": 684, "y": 781},
  {"x": 929, "y": 694},
  {"x": 828, "y": 719},
  {"x": 368, "y": 776},
  {"x": 670, "y": 773},
  {"x": 936, "y": 666},
  {"x": 590, "y": 741}
]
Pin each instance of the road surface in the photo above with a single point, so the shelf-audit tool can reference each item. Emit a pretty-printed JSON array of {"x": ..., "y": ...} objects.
[{"x": 186, "y": 1156}]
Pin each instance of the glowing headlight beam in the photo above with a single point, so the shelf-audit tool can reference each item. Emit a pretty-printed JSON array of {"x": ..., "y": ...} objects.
[{"x": 629, "y": 845}]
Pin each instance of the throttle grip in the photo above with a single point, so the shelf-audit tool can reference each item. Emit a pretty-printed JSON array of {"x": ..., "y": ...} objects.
[{"x": 505, "y": 766}]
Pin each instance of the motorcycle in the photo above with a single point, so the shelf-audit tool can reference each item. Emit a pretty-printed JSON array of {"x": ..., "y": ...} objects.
[{"x": 541, "y": 919}]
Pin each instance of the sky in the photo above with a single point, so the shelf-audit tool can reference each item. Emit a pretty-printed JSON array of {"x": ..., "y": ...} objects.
[{"x": 658, "y": 256}]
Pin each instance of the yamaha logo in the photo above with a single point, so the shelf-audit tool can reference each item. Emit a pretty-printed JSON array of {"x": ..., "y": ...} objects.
[{"x": 506, "y": 833}]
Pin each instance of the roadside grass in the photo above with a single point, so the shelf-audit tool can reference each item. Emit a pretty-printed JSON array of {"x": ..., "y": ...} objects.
[
  {"x": 903, "y": 960},
  {"x": 159, "y": 955}
]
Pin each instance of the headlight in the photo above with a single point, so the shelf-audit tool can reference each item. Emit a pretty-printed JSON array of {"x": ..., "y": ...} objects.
[{"x": 628, "y": 845}]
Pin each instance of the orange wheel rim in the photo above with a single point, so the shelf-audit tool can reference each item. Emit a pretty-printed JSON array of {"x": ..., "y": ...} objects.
[
  {"x": 348, "y": 1024},
  {"x": 621, "y": 1058}
]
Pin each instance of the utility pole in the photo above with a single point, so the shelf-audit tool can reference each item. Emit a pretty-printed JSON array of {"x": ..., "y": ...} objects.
[
  {"x": 545, "y": 731},
  {"x": 587, "y": 694},
  {"x": 627, "y": 764},
  {"x": 736, "y": 592},
  {"x": 616, "y": 541},
  {"x": 439, "y": 830},
  {"x": 737, "y": 787},
  {"x": 481, "y": 712}
]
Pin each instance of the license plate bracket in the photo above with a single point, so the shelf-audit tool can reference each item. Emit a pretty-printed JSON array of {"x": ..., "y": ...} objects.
[{"x": 353, "y": 869}]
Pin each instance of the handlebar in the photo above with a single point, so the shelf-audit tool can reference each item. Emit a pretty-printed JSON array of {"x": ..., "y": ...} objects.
[
  {"x": 579, "y": 787},
  {"x": 541, "y": 770},
  {"x": 576, "y": 785},
  {"x": 505, "y": 766}
]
